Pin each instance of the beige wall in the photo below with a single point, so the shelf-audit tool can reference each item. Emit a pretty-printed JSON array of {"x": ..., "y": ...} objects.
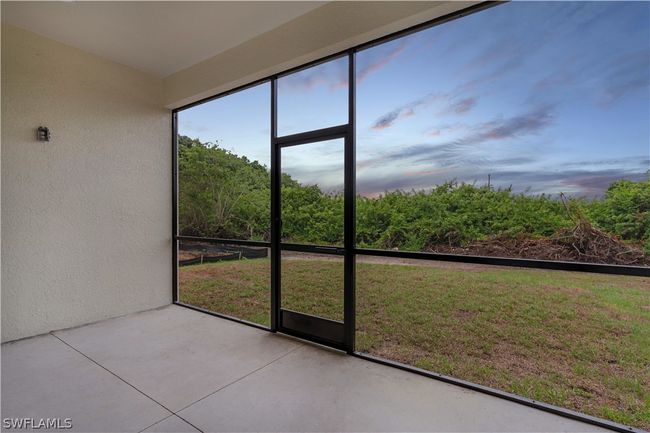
[
  {"x": 86, "y": 217},
  {"x": 329, "y": 29}
]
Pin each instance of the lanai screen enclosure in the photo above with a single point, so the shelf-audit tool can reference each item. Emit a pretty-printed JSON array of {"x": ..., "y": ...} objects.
[{"x": 419, "y": 200}]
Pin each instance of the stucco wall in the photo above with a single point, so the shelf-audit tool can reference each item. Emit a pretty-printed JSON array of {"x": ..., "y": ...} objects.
[{"x": 86, "y": 217}]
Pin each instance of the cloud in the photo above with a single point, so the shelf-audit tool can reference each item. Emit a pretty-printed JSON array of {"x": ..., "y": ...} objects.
[
  {"x": 500, "y": 129},
  {"x": 595, "y": 184},
  {"x": 455, "y": 155},
  {"x": 527, "y": 123},
  {"x": 378, "y": 62},
  {"x": 637, "y": 162},
  {"x": 504, "y": 51},
  {"x": 464, "y": 105},
  {"x": 333, "y": 74},
  {"x": 557, "y": 78},
  {"x": 453, "y": 152},
  {"x": 469, "y": 159},
  {"x": 409, "y": 109},
  {"x": 497, "y": 60},
  {"x": 459, "y": 107},
  {"x": 387, "y": 119},
  {"x": 581, "y": 183},
  {"x": 626, "y": 74},
  {"x": 442, "y": 130},
  {"x": 373, "y": 186},
  {"x": 603, "y": 80}
]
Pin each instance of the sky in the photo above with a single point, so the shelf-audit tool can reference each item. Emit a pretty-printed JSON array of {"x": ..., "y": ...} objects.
[{"x": 542, "y": 97}]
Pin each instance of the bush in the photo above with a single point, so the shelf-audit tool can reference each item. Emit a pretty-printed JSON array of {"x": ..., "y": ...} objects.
[
  {"x": 624, "y": 211},
  {"x": 228, "y": 196}
]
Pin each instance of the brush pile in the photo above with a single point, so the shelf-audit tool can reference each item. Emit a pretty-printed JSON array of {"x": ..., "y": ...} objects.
[{"x": 581, "y": 243}]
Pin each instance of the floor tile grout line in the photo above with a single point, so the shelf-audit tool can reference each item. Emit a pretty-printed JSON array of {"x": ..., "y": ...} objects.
[
  {"x": 300, "y": 345},
  {"x": 120, "y": 378},
  {"x": 157, "y": 422},
  {"x": 166, "y": 418},
  {"x": 174, "y": 413},
  {"x": 177, "y": 415}
]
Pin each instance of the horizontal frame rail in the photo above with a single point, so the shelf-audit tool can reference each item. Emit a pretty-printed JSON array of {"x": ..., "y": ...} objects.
[
  {"x": 314, "y": 136},
  {"x": 315, "y": 249},
  {"x": 510, "y": 261},
  {"x": 638, "y": 271},
  {"x": 224, "y": 241}
]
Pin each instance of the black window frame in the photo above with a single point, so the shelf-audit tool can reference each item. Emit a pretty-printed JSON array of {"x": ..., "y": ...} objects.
[{"x": 349, "y": 250}]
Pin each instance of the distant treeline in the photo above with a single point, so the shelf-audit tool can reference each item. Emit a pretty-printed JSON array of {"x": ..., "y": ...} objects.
[{"x": 228, "y": 196}]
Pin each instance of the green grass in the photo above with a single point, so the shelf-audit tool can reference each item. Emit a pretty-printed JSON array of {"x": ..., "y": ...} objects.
[{"x": 576, "y": 340}]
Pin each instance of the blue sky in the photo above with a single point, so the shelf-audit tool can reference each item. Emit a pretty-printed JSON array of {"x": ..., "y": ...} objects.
[{"x": 546, "y": 97}]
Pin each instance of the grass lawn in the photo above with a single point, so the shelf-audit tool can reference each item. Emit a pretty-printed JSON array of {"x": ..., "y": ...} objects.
[{"x": 577, "y": 340}]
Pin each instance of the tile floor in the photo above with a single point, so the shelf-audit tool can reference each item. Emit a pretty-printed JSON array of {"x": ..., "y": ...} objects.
[{"x": 177, "y": 370}]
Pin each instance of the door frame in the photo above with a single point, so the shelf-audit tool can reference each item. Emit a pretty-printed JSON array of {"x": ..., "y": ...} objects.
[{"x": 326, "y": 330}]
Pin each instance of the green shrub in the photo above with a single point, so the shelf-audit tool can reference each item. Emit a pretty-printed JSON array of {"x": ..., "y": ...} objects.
[{"x": 228, "y": 196}]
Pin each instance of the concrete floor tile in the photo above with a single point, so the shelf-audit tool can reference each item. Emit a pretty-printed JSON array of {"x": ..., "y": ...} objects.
[
  {"x": 234, "y": 378},
  {"x": 314, "y": 389},
  {"x": 177, "y": 355},
  {"x": 44, "y": 378}
]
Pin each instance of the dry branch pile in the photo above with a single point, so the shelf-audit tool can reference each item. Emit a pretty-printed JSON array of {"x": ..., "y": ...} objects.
[{"x": 582, "y": 243}]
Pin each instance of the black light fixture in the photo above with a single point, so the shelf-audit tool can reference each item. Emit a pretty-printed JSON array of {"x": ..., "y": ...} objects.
[{"x": 43, "y": 133}]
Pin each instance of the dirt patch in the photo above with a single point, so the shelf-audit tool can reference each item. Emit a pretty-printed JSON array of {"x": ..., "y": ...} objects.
[
  {"x": 186, "y": 255},
  {"x": 507, "y": 356},
  {"x": 458, "y": 266},
  {"x": 465, "y": 315},
  {"x": 224, "y": 271},
  {"x": 406, "y": 354}
]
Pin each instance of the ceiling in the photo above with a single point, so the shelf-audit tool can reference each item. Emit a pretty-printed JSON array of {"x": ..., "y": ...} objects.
[{"x": 159, "y": 38}]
